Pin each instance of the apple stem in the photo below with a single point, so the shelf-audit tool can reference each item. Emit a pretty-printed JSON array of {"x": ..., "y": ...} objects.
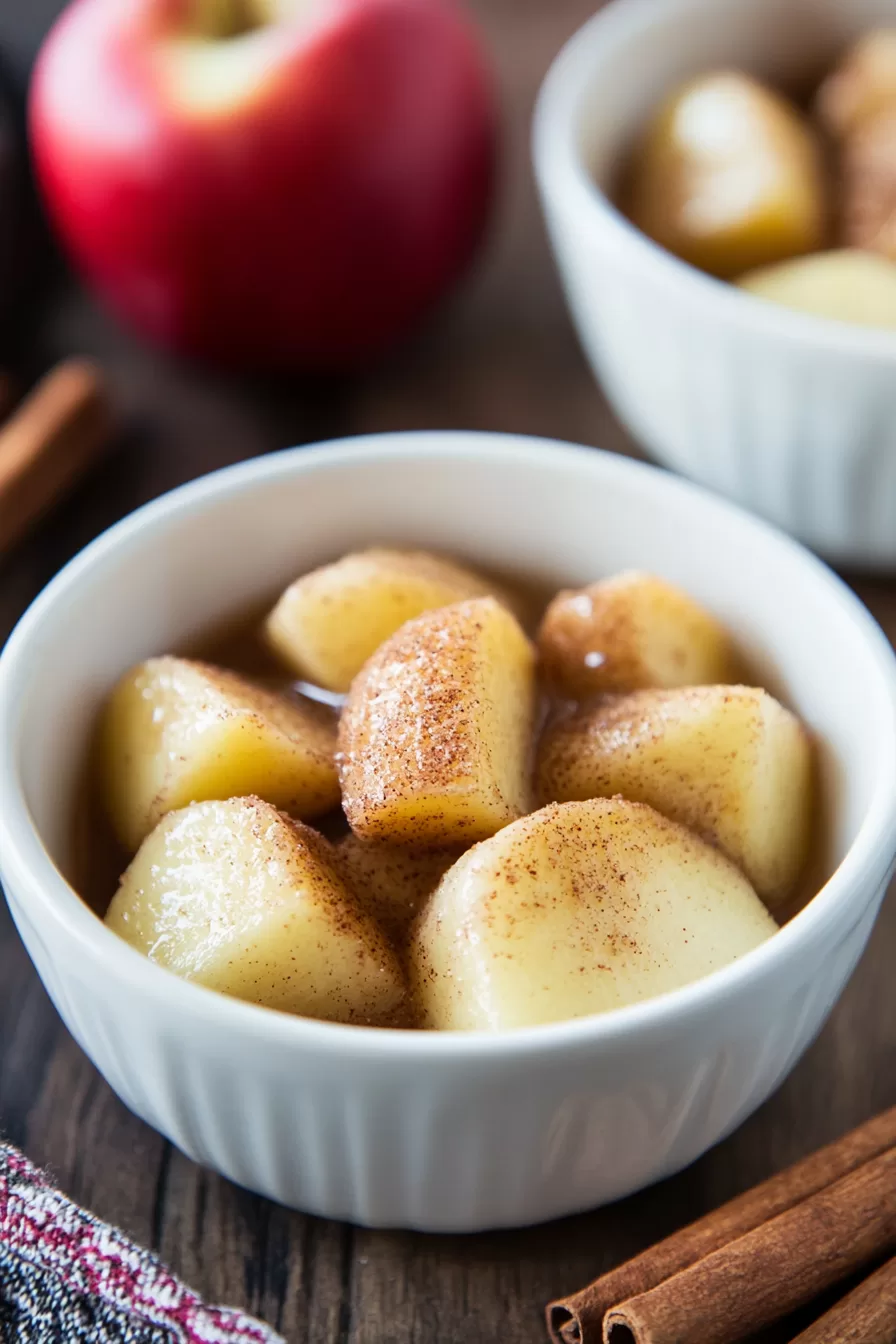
[{"x": 227, "y": 18}]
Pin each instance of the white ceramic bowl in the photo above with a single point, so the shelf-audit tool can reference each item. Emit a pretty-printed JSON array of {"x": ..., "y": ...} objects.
[
  {"x": 426, "y": 1130},
  {"x": 793, "y": 416}
]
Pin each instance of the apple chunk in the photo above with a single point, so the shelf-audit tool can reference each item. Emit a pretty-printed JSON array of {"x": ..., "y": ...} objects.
[
  {"x": 630, "y": 631},
  {"x": 435, "y": 736},
  {"x": 329, "y": 622},
  {"x": 176, "y": 731},
  {"x": 861, "y": 87},
  {"x": 242, "y": 899},
  {"x": 847, "y": 285},
  {"x": 578, "y": 909},
  {"x": 729, "y": 176},
  {"x": 275, "y": 185},
  {"x": 729, "y": 761}
]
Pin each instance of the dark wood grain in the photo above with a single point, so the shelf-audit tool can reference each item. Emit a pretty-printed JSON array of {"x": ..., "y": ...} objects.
[{"x": 501, "y": 355}]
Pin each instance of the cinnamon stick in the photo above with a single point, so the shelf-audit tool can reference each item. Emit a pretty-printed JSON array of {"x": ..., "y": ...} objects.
[
  {"x": 54, "y": 435},
  {"x": 867, "y": 1315},
  {"x": 578, "y": 1319},
  {"x": 741, "y": 1288}
]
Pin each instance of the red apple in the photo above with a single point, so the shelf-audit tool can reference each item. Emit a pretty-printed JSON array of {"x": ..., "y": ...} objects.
[{"x": 290, "y": 185}]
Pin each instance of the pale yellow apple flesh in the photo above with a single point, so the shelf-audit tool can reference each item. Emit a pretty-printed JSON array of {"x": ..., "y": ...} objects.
[
  {"x": 862, "y": 85},
  {"x": 176, "y": 731},
  {"x": 846, "y": 286},
  {"x": 728, "y": 761},
  {"x": 578, "y": 909},
  {"x": 729, "y": 176},
  {"x": 630, "y": 631},
  {"x": 239, "y": 898},
  {"x": 329, "y": 622}
]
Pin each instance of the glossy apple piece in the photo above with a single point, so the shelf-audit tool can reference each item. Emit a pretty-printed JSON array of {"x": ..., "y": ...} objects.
[
  {"x": 848, "y": 285},
  {"x": 578, "y": 908},
  {"x": 273, "y": 187},
  {"x": 729, "y": 176},
  {"x": 238, "y": 897},
  {"x": 861, "y": 87}
]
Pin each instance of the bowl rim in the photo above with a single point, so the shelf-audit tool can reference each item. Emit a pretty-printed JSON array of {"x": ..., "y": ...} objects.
[
  {"x": 563, "y": 176},
  {"x": 34, "y": 880}
]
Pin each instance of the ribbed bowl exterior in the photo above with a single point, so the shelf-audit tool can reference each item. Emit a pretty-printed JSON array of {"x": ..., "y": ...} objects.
[
  {"x": 802, "y": 434},
  {"x": 446, "y": 1149}
]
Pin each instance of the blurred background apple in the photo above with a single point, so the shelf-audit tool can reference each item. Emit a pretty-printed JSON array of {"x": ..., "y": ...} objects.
[{"x": 268, "y": 184}]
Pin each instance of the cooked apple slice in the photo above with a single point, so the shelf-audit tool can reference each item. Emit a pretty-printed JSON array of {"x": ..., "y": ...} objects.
[
  {"x": 240, "y": 898},
  {"x": 389, "y": 882},
  {"x": 849, "y": 285},
  {"x": 577, "y": 909},
  {"x": 627, "y": 632},
  {"x": 868, "y": 191},
  {"x": 435, "y": 736},
  {"x": 862, "y": 86},
  {"x": 729, "y": 761},
  {"x": 328, "y": 623},
  {"x": 176, "y": 731},
  {"x": 729, "y": 176}
]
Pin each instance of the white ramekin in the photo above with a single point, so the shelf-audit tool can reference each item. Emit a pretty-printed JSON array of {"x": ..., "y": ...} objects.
[
  {"x": 427, "y": 1130},
  {"x": 793, "y": 416}
]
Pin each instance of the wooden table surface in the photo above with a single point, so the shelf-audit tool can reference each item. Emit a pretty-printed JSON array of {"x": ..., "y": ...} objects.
[{"x": 501, "y": 356}]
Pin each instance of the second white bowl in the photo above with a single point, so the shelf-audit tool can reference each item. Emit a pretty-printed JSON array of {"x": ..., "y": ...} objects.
[
  {"x": 441, "y": 1131},
  {"x": 793, "y": 416}
]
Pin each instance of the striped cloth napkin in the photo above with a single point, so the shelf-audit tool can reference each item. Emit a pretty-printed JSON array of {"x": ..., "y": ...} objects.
[{"x": 67, "y": 1278}]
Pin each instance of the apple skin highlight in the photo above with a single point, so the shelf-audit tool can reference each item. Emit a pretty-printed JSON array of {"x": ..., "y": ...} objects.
[{"x": 295, "y": 197}]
